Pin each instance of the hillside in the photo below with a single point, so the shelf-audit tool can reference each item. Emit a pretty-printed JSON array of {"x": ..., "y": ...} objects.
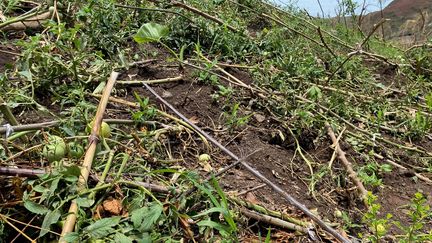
[{"x": 409, "y": 20}]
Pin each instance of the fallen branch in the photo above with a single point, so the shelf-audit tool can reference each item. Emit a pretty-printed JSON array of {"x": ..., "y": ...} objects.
[
  {"x": 381, "y": 139},
  {"x": 273, "y": 221},
  {"x": 251, "y": 189},
  {"x": 88, "y": 159},
  {"x": 263, "y": 210},
  {"x": 256, "y": 173},
  {"x": 324, "y": 42},
  {"x": 348, "y": 166},
  {"x": 203, "y": 14},
  {"x": 153, "y": 10},
  {"x": 22, "y": 152},
  {"x": 403, "y": 168},
  {"x": 21, "y": 172},
  {"x": 154, "y": 81},
  {"x": 37, "y": 126},
  {"x": 7, "y": 113},
  {"x": 30, "y": 21}
]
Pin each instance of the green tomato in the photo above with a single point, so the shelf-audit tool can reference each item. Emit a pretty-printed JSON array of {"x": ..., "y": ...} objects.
[
  {"x": 381, "y": 230},
  {"x": 105, "y": 130},
  {"x": 55, "y": 149},
  {"x": 75, "y": 150},
  {"x": 204, "y": 157}
]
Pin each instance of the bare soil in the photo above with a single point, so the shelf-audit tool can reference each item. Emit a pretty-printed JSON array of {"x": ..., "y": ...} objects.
[
  {"x": 6, "y": 60},
  {"x": 275, "y": 159}
]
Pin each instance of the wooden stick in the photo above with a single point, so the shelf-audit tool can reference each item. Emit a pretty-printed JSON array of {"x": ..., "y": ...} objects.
[
  {"x": 8, "y": 171},
  {"x": 273, "y": 221},
  {"x": 88, "y": 159},
  {"x": 203, "y": 14},
  {"x": 155, "y": 81},
  {"x": 348, "y": 166},
  {"x": 7, "y": 113},
  {"x": 26, "y": 22},
  {"x": 266, "y": 211},
  {"x": 421, "y": 177}
]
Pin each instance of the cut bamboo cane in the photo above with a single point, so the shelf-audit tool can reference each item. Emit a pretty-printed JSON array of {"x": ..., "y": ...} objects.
[
  {"x": 27, "y": 22},
  {"x": 88, "y": 159},
  {"x": 7, "y": 113},
  {"x": 154, "y": 81},
  {"x": 273, "y": 221},
  {"x": 348, "y": 166}
]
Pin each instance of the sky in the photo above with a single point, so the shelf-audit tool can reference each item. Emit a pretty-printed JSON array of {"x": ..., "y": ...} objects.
[{"x": 329, "y": 6}]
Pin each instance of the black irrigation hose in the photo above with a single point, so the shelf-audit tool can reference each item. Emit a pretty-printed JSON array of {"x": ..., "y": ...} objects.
[{"x": 275, "y": 187}]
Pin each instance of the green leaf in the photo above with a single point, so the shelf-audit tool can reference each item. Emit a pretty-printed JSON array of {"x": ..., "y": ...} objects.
[
  {"x": 121, "y": 238},
  {"x": 223, "y": 230},
  {"x": 72, "y": 237},
  {"x": 84, "y": 202},
  {"x": 315, "y": 93},
  {"x": 73, "y": 170},
  {"x": 144, "y": 238},
  {"x": 268, "y": 237},
  {"x": 227, "y": 214},
  {"x": 144, "y": 218},
  {"x": 40, "y": 189},
  {"x": 51, "y": 217},
  {"x": 99, "y": 88},
  {"x": 54, "y": 185},
  {"x": 181, "y": 53},
  {"x": 102, "y": 228},
  {"x": 35, "y": 207},
  {"x": 151, "y": 32},
  {"x": 27, "y": 74}
]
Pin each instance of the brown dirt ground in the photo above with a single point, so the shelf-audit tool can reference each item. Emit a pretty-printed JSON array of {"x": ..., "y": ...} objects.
[
  {"x": 193, "y": 99},
  {"x": 6, "y": 59}
]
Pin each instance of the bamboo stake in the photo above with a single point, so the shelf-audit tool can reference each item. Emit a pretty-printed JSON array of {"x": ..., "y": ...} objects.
[
  {"x": 263, "y": 210},
  {"x": 155, "y": 81},
  {"x": 7, "y": 112},
  {"x": 273, "y": 221},
  {"x": 31, "y": 21},
  {"x": 88, "y": 159},
  {"x": 8, "y": 171},
  {"x": 348, "y": 166}
]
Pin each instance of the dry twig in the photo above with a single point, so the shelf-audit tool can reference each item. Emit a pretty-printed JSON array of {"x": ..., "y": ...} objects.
[
  {"x": 348, "y": 166},
  {"x": 273, "y": 221}
]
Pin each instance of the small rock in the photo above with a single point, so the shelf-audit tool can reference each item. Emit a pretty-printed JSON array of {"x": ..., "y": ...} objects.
[
  {"x": 166, "y": 94},
  {"x": 260, "y": 118}
]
